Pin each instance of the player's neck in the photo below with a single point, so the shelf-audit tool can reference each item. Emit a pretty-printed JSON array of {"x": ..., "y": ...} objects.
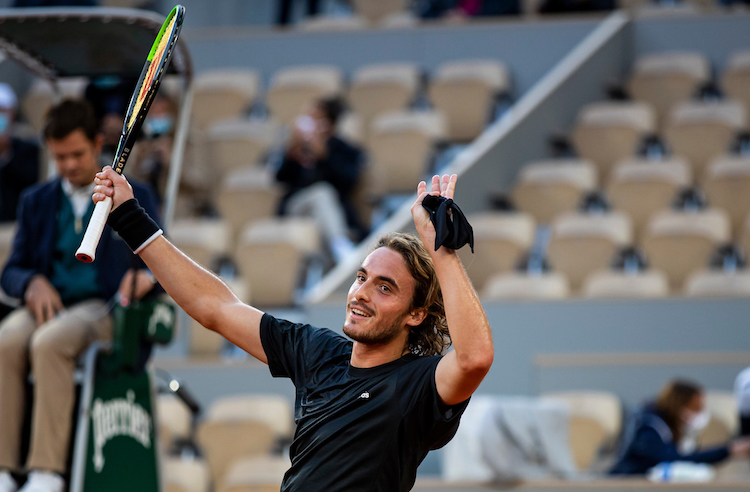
[{"x": 365, "y": 355}]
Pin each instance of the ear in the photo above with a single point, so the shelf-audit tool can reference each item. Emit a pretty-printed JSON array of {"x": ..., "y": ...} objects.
[
  {"x": 416, "y": 316},
  {"x": 98, "y": 143}
]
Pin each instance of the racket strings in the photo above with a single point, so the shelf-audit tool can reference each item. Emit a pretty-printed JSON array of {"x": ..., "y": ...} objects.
[{"x": 151, "y": 73}]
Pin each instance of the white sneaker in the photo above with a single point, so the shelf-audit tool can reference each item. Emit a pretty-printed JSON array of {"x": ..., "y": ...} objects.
[
  {"x": 7, "y": 484},
  {"x": 40, "y": 481}
]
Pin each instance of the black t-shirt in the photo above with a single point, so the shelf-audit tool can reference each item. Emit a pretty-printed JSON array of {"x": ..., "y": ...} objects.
[{"x": 357, "y": 429}]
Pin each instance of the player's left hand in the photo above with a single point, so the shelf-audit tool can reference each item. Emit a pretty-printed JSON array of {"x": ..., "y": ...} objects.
[
  {"x": 445, "y": 186},
  {"x": 144, "y": 282}
]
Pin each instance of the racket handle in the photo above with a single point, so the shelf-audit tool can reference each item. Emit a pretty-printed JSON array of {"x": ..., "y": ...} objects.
[{"x": 87, "y": 251}]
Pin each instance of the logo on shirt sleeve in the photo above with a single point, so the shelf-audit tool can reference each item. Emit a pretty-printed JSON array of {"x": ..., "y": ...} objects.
[{"x": 364, "y": 396}]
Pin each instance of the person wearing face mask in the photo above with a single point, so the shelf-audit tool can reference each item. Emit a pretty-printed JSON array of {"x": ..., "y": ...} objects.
[
  {"x": 154, "y": 151},
  {"x": 667, "y": 431},
  {"x": 19, "y": 159},
  {"x": 319, "y": 173}
]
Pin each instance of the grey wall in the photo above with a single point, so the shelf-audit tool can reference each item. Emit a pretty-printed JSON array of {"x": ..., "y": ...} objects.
[
  {"x": 716, "y": 36},
  {"x": 530, "y": 49}
]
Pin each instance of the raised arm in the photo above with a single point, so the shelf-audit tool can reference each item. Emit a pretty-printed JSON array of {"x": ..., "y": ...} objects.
[
  {"x": 199, "y": 292},
  {"x": 460, "y": 371}
]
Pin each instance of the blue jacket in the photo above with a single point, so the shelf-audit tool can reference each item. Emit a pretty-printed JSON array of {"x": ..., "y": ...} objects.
[
  {"x": 650, "y": 442},
  {"x": 34, "y": 241}
]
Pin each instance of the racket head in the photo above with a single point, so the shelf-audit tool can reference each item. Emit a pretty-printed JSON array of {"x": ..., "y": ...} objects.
[{"x": 148, "y": 83}]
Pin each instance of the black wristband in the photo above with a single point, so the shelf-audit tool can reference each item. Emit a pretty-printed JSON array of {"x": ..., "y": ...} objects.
[{"x": 134, "y": 225}]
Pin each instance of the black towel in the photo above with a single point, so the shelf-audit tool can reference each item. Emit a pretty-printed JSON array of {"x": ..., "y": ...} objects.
[{"x": 450, "y": 231}]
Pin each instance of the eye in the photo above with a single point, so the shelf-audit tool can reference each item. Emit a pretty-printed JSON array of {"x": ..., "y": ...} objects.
[
  {"x": 360, "y": 277},
  {"x": 385, "y": 288}
]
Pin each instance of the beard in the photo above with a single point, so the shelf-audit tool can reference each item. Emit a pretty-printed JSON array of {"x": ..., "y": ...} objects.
[{"x": 378, "y": 335}]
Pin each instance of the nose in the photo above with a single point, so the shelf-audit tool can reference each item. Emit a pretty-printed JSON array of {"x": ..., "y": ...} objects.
[{"x": 361, "y": 291}]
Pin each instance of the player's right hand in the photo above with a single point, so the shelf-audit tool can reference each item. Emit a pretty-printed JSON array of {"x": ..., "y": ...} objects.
[
  {"x": 42, "y": 299},
  {"x": 109, "y": 183}
]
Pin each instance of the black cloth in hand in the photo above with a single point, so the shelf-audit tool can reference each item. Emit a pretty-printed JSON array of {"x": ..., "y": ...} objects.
[{"x": 452, "y": 230}]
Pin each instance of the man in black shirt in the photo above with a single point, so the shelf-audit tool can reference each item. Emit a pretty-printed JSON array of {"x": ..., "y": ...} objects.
[
  {"x": 367, "y": 410},
  {"x": 319, "y": 172}
]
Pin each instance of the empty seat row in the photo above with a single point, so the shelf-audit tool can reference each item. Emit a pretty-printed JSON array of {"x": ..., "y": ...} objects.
[
  {"x": 698, "y": 131},
  {"x": 237, "y": 437},
  {"x": 637, "y": 186},
  {"x": 375, "y": 89},
  {"x": 666, "y": 79},
  {"x": 611, "y": 284},
  {"x": 675, "y": 242}
]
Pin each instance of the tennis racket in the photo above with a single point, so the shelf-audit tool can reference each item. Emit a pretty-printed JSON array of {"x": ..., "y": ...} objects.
[{"x": 143, "y": 96}]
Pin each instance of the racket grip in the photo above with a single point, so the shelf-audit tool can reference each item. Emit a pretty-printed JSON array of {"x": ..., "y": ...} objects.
[{"x": 87, "y": 251}]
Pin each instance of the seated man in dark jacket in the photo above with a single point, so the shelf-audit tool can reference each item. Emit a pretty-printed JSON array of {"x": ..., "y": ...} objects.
[
  {"x": 65, "y": 301},
  {"x": 320, "y": 172},
  {"x": 666, "y": 431}
]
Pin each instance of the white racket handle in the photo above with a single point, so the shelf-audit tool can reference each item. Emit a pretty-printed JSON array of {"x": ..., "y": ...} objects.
[{"x": 87, "y": 251}]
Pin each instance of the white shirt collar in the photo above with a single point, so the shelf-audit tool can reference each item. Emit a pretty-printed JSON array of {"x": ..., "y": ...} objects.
[{"x": 79, "y": 196}]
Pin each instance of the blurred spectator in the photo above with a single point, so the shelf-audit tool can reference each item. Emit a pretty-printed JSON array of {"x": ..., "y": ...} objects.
[
  {"x": 431, "y": 9},
  {"x": 320, "y": 171},
  {"x": 55, "y": 3},
  {"x": 153, "y": 153},
  {"x": 19, "y": 159},
  {"x": 666, "y": 431},
  {"x": 564, "y": 6},
  {"x": 285, "y": 10},
  {"x": 742, "y": 393},
  {"x": 110, "y": 97}
]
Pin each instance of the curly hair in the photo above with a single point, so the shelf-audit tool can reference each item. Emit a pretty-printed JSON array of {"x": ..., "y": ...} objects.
[{"x": 431, "y": 337}]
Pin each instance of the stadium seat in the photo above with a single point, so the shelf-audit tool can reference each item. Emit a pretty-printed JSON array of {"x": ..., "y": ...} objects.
[
  {"x": 617, "y": 284},
  {"x": 547, "y": 188},
  {"x": 640, "y": 187},
  {"x": 515, "y": 286},
  {"x": 206, "y": 344},
  {"x": 583, "y": 243},
  {"x": 744, "y": 237},
  {"x": 595, "y": 422},
  {"x": 736, "y": 78},
  {"x": 382, "y": 88},
  {"x": 223, "y": 94},
  {"x": 607, "y": 132},
  {"x": 376, "y": 12},
  {"x": 723, "y": 426},
  {"x": 350, "y": 128},
  {"x": 7, "y": 233},
  {"x": 664, "y": 79},
  {"x": 255, "y": 474},
  {"x": 247, "y": 194},
  {"x": 185, "y": 475},
  {"x": 500, "y": 238},
  {"x": 175, "y": 421},
  {"x": 727, "y": 186},
  {"x": 465, "y": 91},
  {"x": 293, "y": 89},
  {"x": 400, "y": 144},
  {"x": 202, "y": 239},
  {"x": 41, "y": 95},
  {"x": 718, "y": 283},
  {"x": 284, "y": 244},
  {"x": 237, "y": 143},
  {"x": 679, "y": 243},
  {"x": 701, "y": 130},
  {"x": 241, "y": 426}
]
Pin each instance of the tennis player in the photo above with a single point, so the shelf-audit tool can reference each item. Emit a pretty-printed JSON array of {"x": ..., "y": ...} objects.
[{"x": 367, "y": 409}]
